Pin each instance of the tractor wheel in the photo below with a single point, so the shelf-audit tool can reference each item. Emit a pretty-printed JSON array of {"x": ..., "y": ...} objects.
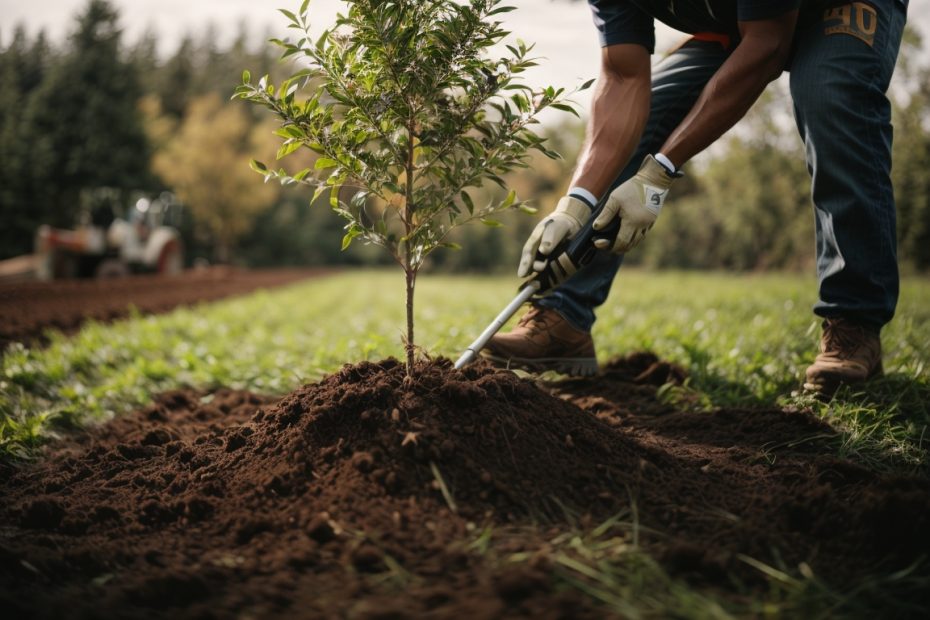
[{"x": 171, "y": 258}]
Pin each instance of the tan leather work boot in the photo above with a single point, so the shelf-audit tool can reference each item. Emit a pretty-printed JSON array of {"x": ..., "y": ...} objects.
[
  {"x": 543, "y": 340},
  {"x": 849, "y": 353}
]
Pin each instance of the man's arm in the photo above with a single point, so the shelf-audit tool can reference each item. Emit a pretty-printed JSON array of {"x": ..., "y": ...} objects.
[
  {"x": 758, "y": 59},
  {"x": 618, "y": 117},
  {"x": 619, "y": 112}
]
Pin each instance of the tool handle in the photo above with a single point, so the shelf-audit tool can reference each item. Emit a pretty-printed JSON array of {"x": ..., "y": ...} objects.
[
  {"x": 572, "y": 254},
  {"x": 471, "y": 353},
  {"x": 565, "y": 259}
]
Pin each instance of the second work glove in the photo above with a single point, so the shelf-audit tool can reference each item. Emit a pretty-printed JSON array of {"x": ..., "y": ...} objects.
[
  {"x": 637, "y": 203},
  {"x": 564, "y": 223}
]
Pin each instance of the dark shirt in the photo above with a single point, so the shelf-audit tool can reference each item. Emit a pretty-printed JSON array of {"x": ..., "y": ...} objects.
[{"x": 630, "y": 21}]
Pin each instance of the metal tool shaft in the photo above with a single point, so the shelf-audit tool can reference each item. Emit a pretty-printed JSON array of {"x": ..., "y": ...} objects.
[{"x": 471, "y": 353}]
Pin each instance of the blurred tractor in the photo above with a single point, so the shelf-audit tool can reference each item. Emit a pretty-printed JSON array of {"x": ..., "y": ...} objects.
[{"x": 109, "y": 244}]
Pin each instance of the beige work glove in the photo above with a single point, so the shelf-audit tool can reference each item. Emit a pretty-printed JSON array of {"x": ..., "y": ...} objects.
[
  {"x": 637, "y": 203},
  {"x": 564, "y": 223}
]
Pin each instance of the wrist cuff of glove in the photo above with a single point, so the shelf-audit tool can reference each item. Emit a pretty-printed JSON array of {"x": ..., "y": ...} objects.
[
  {"x": 574, "y": 208},
  {"x": 666, "y": 163},
  {"x": 657, "y": 174},
  {"x": 583, "y": 195}
]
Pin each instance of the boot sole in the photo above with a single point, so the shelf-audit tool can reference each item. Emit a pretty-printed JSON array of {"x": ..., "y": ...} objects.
[
  {"x": 572, "y": 366},
  {"x": 830, "y": 383}
]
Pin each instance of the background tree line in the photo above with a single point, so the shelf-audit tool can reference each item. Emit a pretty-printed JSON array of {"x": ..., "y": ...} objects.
[{"x": 98, "y": 111}]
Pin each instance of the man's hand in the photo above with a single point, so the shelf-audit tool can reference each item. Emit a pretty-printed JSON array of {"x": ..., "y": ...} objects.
[
  {"x": 564, "y": 223},
  {"x": 637, "y": 203}
]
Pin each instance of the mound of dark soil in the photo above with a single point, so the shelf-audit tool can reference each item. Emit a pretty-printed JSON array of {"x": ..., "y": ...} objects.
[{"x": 357, "y": 496}]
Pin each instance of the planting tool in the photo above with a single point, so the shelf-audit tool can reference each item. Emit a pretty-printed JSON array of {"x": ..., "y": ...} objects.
[{"x": 569, "y": 256}]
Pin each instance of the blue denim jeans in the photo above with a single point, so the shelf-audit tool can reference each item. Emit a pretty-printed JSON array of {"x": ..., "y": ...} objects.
[{"x": 842, "y": 63}]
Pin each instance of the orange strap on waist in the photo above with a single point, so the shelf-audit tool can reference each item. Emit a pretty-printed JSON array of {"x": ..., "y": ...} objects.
[{"x": 716, "y": 37}]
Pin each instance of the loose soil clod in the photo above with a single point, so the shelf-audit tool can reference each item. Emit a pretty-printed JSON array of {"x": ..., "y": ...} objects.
[{"x": 338, "y": 496}]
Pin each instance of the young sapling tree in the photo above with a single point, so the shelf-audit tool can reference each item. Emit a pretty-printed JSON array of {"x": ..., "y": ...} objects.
[{"x": 406, "y": 109}]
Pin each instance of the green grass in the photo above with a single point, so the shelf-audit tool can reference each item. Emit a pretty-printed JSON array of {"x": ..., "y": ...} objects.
[
  {"x": 744, "y": 339},
  {"x": 609, "y": 564}
]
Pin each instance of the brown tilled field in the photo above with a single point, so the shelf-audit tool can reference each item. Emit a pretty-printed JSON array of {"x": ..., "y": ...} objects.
[{"x": 27, "y": 309}]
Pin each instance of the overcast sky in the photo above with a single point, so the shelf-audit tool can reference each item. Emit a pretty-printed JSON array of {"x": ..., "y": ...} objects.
[{"x": 562, "y": 30}]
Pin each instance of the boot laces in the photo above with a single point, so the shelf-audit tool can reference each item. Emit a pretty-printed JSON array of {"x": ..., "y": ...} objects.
[
  {"x": 535, "y": 321},
  {"x": 842, "y": 336}
]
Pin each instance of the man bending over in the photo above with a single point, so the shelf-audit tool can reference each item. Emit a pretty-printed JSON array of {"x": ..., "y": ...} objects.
[{"x": 646, "y": 123}]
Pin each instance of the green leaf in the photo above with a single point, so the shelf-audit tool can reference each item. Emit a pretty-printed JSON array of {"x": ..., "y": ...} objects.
[
  {"x": 496, "y": 179},
  {"x": 346, "y": 240},
  {"x": 287, "y": 148},
  {"x": 289, "y": 14},
  {"x": 491, "y": 223},
  {"x": 503, "y": 9},
  {"x": 508, "y": 201},
  {"x": 325, "y": 162},
  {"x": 564, "y": 108},
  {"x": 289, "y": 89},
  {"x": 468, "y": 202},
  {"x": 258, "y": 166},
  {"x": 353, "y": 230},
  {"x": 358, "y": 199},
  {"x": 587, "y": 84},
  {"x": 246, "y": 77}
]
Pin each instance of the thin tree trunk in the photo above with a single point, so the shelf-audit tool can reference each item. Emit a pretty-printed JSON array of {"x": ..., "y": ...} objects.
[
  {"x": 409, "y": 269},
  {"x": 411, "y": 280}
]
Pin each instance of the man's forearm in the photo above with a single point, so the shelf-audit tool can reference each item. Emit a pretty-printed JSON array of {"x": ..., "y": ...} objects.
[
  {"x": 757, "y": 60},
  {"x": 618, "y": 116}
]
